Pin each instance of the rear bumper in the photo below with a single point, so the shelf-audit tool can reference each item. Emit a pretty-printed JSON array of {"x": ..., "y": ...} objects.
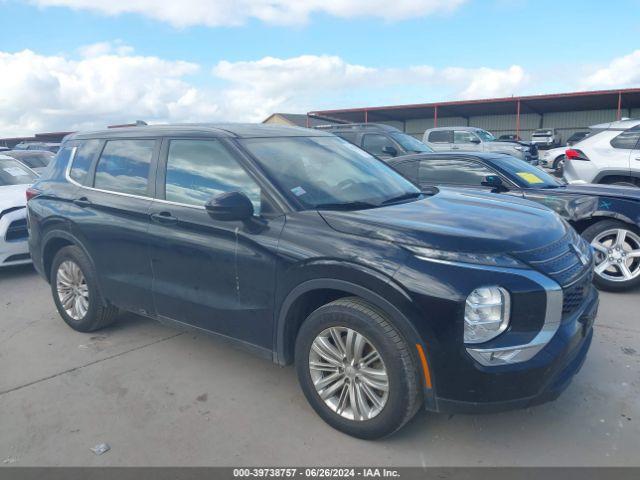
[{"x": 549, "y": 373}]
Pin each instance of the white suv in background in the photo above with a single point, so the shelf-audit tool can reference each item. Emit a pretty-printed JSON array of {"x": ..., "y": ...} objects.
[{"x": 611, "y": 154}]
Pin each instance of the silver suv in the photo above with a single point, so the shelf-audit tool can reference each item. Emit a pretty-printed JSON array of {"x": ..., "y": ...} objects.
[
  {"x": 611, "y": 154},
  {"x": 471, "y": 139}
]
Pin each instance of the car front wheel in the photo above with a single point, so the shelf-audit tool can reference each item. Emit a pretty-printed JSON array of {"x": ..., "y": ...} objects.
[
  {"x": 617, "y": 254},
  {"x": 356, "y": 370}
]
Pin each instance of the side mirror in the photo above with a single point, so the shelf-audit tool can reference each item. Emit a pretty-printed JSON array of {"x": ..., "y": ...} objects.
[
  {"x": 230, "y": 206},
  {"x": 475, "y": 140},
  {"x": 495, "y": 182},
  {"x": 389, "y": 150}
]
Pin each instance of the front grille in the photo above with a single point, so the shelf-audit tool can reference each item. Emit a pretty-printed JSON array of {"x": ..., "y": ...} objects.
[
  {"x": 17, "y": 231},
  {"x": 561, "y": 262}
]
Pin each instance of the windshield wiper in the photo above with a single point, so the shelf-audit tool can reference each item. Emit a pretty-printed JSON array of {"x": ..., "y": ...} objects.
[
  {"x": 399, "y": 198},
  {"x": 346, "y": 206}
]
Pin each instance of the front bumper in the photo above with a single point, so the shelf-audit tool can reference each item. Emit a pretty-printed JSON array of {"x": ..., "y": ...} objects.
[
  {"x": 12, "y": 252},
  {"x": 539, "y": 380}
]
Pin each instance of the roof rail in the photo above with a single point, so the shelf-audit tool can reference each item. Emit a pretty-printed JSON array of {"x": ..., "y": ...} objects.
[{"x": 350, "y": 126}]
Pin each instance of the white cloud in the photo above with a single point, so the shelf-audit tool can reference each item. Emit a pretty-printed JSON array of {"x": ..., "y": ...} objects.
[
  {"x": 621, "y": 72},
  {"x": 487, "y": 82},
  {"x": 105, "y": 48},
  {"x": 213, "y": 13},
  {"x": 309, "y": 81},
  {"x": 109, "y": 84},
  {"x": 58, "y": 93}
]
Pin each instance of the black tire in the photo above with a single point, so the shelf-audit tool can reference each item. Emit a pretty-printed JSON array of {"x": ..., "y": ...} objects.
[
  {"x": 556, "y": 162},
  {"x": 99, "y": 313},
  {"x": 405, "y": 390},
  {"x": 590, "y": 234}
]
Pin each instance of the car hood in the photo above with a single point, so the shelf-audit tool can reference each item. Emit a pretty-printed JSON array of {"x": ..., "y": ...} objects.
[
  {"x": 616, "y": 191},
  {"x": 456, "y": 220},
  {"x": 12, "y": 196}
]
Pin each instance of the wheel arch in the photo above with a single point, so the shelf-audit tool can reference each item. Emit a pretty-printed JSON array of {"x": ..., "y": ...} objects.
[
  {"x": 311, "y": 294},
  {"x": 53, "y": 242},
  {"x": 600, "y": 216}
]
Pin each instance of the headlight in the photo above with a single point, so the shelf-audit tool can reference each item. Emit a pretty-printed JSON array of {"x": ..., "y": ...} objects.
[
  {"x": 496, "y": 260},
  {"x": 519, "y": 148},
  {"x": 486, "y": 314}
]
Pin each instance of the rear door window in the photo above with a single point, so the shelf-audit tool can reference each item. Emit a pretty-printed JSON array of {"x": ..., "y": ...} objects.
[
  {"x": 453, "y": 172},
  {"x": 124, "y": 166},
  {"x": 440, "y": 136},
  {"x": 349, "y": 137}
]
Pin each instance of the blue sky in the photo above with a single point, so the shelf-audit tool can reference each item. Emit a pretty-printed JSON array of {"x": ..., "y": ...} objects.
[{"x": 398, "y": 52}]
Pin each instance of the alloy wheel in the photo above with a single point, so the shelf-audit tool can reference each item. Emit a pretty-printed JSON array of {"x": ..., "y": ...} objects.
[
  {"x": 73, "y": 291},
  {"x": 617, "y": 255},
  {"x": 348, "y": 373}
]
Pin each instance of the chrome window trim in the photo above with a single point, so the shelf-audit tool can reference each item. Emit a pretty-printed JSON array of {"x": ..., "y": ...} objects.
[
  {"x": 130, "y": 195},
  {"x": 169, "y": 202},
  {"x": 86, "y": 187},
  {"x": 67, "y": 172}
]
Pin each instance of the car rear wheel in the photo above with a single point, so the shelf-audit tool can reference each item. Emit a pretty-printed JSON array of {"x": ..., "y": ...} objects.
[
  {"x": 558, "y": 163},
  {"x": 356, "y": 370},
  {"x": 76, "y": 294},
  {"x": 617, "y": 254}
]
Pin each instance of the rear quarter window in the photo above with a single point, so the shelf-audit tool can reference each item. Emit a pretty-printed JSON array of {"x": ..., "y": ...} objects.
[
  {"x": 626, "y": 140},
  {"x": 86, "y": 152}
]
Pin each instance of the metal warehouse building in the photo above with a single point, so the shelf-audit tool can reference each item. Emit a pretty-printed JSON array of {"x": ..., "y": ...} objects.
[{"x": 567, "y": 112}]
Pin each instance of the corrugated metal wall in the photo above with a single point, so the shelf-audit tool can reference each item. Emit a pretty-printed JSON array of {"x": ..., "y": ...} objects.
[{"x": 567, "y": 123}]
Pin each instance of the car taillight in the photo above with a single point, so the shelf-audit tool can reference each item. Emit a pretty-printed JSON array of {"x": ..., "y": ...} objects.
[
  {"x": 575, "y": 154},
  {"x": 31, "y": 193}
]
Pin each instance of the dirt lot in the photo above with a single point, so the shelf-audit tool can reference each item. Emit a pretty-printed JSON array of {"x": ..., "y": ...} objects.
[{"x": 161, "y": 397}]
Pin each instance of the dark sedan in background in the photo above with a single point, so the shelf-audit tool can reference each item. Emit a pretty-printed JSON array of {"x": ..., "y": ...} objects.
[{"x": 607, "y": 216}]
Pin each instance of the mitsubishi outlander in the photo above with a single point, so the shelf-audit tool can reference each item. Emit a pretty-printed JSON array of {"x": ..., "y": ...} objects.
[{"x": 305, "y": 249}]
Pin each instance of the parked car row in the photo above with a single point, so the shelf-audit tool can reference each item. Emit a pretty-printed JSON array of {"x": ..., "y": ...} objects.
[
  {"x": 306, "y": 249},
  {"x": 15, "y": 178}
]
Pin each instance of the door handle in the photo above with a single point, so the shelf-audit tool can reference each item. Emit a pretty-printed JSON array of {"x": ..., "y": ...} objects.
[
  {"x": 455, "y": 148},
  {"x": 164, "y": 218},
  {"x": 638, "y": 159},
  {"x": 82, "y": 202}
]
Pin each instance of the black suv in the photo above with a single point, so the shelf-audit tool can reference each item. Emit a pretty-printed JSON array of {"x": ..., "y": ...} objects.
[
  {"x": 306, "y": 250},
  {"x": 380, "y": 140}
]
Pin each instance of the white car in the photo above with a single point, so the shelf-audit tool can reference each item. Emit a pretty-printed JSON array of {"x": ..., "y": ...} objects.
[
  {"x": 554, "y": 158},
  {"x": 546, "y": 138},
  {"x": 611, "y": 155},
  {"x": 15, "y": 178}
]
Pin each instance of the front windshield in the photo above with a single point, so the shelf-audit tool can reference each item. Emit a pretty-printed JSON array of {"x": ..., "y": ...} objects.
[
  {"x": 14, "y": 173},
  {"x": 411, "y": 144},
  {"x": 525, "y": 173},
  {"x": 328, "y": 172},
  {"x": 485, "y": 136}
]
